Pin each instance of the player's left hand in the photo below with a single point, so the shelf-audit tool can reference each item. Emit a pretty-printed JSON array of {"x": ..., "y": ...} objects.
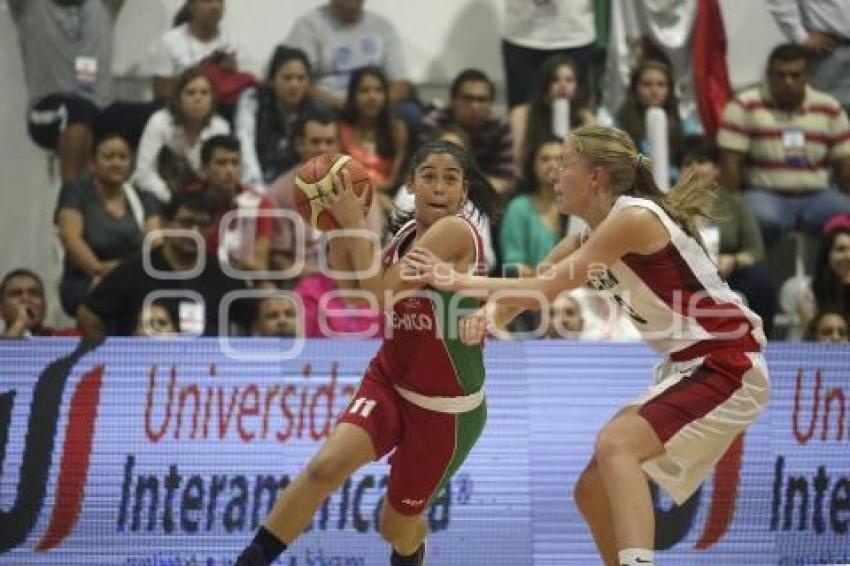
[
  {"x": 345, "y": 205},
  {"x": 473, "y": 328},
  {"x": 422, "y": 265}
]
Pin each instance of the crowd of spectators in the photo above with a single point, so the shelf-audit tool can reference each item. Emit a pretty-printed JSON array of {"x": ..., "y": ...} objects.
[{"x": 214, "y": 155}]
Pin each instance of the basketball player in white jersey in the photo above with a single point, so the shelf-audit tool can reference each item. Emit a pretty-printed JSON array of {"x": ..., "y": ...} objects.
[{"x": 644, "y": 251}]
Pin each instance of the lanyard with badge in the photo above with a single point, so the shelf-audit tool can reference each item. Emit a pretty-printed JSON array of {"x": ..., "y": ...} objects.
[
  {"x": 86, "y": 71},
  {"x": 73, "y": 25},
  {"x": 794, "y": 145},
  {"x": 192, "y": 318}
]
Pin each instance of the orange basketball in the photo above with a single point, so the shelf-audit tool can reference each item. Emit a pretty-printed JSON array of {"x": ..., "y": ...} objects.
[{"x": 314, "y": 184}]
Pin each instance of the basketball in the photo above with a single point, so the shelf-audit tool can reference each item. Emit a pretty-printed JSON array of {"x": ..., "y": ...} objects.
[{"x": 314, "y": 185}]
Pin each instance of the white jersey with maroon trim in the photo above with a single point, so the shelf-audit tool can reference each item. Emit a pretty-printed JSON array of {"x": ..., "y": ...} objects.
[{"x": 675, "y": 297}]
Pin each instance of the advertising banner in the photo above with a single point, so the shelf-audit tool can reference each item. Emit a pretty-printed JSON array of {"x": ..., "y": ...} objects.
[
  {"x": 171, "y": 452},
  {"x": 780, "y": 496}
]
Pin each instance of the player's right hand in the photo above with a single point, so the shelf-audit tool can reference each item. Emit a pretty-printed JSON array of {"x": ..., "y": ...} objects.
[{"x": 344, "y": 204}]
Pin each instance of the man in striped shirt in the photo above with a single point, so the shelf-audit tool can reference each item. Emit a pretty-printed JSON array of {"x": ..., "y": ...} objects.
[{"x": 780, "y": 141}]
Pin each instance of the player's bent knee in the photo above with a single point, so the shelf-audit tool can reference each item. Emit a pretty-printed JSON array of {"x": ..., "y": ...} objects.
[
  {"x": 327, "y": 470},
  {"x": 609, "y": 444}
]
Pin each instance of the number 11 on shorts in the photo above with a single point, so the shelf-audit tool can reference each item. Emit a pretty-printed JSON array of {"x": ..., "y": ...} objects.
[{"x": 362, "y": 406}]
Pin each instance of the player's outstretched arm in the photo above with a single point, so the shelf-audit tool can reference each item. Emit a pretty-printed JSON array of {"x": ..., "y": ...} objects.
[
  {"x": 631, "y": 231},
  {"x": 500, "y": 315}
]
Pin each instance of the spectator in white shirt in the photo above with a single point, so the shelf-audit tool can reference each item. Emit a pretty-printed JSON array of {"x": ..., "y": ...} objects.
[
  {"x": 169, "y": 154},
  {"x": 340, "y": 37},
  {"x": 190, "y": 42},
  {"x": 537, "y": 29}
]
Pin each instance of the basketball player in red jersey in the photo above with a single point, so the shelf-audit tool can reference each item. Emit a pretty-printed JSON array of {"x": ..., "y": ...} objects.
[
  {"x": 643, "y": 249},
  {"x": 422, "y": 394}
]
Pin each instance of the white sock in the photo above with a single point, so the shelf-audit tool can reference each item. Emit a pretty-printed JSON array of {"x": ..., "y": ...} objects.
[{"x": 635, "y": 557}]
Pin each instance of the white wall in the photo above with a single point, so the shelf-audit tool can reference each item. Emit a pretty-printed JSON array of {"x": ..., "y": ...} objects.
[
  {"x": 751, "y": 33},
  {"x": 26, "y": 196},
  {"x": 440, "y": 38}
]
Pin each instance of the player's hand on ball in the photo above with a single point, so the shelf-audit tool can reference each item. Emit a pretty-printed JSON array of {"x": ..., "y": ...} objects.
[
  {"x": 345, "y": 205},
  {"x": 422, "y": 265},
  {"x": 314, "y": 188}
]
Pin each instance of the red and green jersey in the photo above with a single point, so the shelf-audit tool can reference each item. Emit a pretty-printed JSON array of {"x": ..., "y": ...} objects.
[{"x": 422, "y": 350}]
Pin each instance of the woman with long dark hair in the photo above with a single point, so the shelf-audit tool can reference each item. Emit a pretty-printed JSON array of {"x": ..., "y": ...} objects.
[
  {"x": 652, "y": 85},
  {"x": 531, "y": 123},
  {"x": 266, "y": 116},
  {"x": 369, "y": 132},
  {"x": 533, "y": 224},
  {"x": 831, "y": 281}
]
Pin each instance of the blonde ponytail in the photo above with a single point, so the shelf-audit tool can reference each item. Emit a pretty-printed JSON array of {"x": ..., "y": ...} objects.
[
  {"x": 630, "y": 173},
  {"x": 690, "y": 201}
]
